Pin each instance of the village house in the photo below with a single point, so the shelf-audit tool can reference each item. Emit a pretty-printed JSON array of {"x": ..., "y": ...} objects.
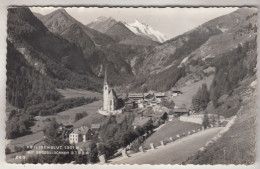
[
  {"x": 159, "y": 96},
  {"x": 177, "y": 112},
  {"x": 171, "y": 117},
  {"x": 136, "y": 96},
  {"x": 131, "y": 104},
  {"x": 141, "y": 104},
  {"x": 140, "y": 121},
  {"x": 65, "y": 130},
  {"x": 63, "y": 127},
  {"x": 175, "y": 92},
  {"x": 180, "y": 111},
  {"x": 155, "y": 114},
  {"x": 149, "y": 95},
  {"x": 81, "y": 134},
  {"x": 95, "y": 128}
]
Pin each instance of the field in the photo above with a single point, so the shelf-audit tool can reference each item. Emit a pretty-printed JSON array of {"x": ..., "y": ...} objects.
[
  {"x": 237, "y": 146},
  {"x": 170, "y": 129},
  {"x": 189, "y": 91},
  {"x": 65, "y": 117},
  {"x": 73, "y": 93},
  {"x": 25, "y": 140}
]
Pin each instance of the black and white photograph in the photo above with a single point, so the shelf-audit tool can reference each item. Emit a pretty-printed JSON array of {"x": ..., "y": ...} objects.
[{"x": 131, "y": 85}]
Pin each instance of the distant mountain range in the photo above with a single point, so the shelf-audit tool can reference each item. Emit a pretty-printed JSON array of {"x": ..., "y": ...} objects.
[
  {"x": 104, "y": 24},
  {"x": 185, "y": 58},
  {"x": 147, "y": 31},
  {"x": 99, "y": 49},
  {"x": 62, "y": 48}
]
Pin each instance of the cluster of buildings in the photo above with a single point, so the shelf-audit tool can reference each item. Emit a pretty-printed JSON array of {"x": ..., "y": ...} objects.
[
  {"x": 144, "y": 100},
  {"x": 132, "y": 100},
  {"x": 77, "y": 135}
]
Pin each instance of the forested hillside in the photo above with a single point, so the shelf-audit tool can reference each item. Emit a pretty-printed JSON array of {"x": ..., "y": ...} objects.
[
  {"x": 49, "y": 54},
  {"x": 190, "y": 57},
  {"x": 38, "y": 62},
  {"x": 26, "y": 86},
  {"x": 233, "y": 67}
]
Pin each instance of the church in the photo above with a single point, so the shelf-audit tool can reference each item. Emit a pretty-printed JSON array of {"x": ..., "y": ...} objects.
[{"x": 110, "y": 100}]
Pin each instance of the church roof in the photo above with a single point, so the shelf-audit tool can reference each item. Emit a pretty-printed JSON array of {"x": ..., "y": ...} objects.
[{"x": 112, "y": 94}]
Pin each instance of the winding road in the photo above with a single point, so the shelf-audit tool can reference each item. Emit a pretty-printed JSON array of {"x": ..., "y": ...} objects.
[{"x": 173, "y": 153}]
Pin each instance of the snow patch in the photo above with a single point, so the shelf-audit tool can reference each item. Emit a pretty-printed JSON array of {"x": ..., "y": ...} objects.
[
  {"x": 222, "y": 29},
  {"x": 254, "y": 84},
  {"x": 207, "y": 57},
  {"x": 145, "y": 30},
  {"x": 183, "y": 61},
  {"x": 100, "y": 70}
]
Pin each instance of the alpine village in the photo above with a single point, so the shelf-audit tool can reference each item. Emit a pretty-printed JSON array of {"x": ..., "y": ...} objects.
[{"x": 105, "y": 93}]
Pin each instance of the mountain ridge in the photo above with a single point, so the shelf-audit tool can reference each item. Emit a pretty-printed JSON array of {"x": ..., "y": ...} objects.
[
  {"x": 103, "y": 24},
  {"x": 99, "y": 49},
  {"x": 145, "y": 30},
  {"x": 187, "y": 56},
  {"x": 48, "y": 53}
]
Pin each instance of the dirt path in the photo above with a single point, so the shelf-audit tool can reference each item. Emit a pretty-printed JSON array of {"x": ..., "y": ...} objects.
[{"x": 173, "y": 153}]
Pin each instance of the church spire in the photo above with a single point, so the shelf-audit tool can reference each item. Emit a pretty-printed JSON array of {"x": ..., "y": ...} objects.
[{"x": 105, "y": 78}]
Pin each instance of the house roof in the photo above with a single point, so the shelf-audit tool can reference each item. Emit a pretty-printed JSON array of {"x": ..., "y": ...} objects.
[
  {"x": 180, "y": 110},
  {"x": 81, "y": 130},
  {"x": 135, "y": 95},
  {"x": 148, "y": 112},
  {"x": 95, "y": 126},
  {"x": 174, "y": 89},
  {"x": 129, "y": 102},
  {"x": 159, "y": 113},
  {"x": 140, "y": 121},
  {"x": 159, "y": 94}
]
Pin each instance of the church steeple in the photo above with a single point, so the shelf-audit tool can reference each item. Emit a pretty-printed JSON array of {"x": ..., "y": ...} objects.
[
  {"x": 105, "y": 92},
  {"x": 105, "y": 78}
]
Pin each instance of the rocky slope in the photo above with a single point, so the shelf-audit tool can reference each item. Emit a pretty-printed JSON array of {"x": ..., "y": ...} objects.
[
  {"x": 189, "y": 57},
  {"x": 49, "y": 54},
  {"x": 102, "y": 24},
  {"x": 99, "y": 49},
  {"x": 132, "y": 58},
  {"x": 127, "y": 33},
  {"x": 146, "y": 31}
]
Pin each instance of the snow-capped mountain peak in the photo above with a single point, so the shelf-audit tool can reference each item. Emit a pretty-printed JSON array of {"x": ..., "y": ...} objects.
[{"x": 142, "y": 29}]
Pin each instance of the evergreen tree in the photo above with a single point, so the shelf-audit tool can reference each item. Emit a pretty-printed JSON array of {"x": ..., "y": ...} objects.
[
  {"x": 201, "y": 99},
  {"x": 205, "y": 122},
  {"x": 51, "y": 134}
]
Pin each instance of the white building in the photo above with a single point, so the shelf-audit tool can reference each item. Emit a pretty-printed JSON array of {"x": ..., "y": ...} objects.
[
  {"x": 110, "y": 100},
  {"x": 81, "y": 134}
]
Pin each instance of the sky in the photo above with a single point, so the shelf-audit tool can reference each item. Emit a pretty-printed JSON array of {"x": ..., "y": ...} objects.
[{"x": 170, "y": 21}]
